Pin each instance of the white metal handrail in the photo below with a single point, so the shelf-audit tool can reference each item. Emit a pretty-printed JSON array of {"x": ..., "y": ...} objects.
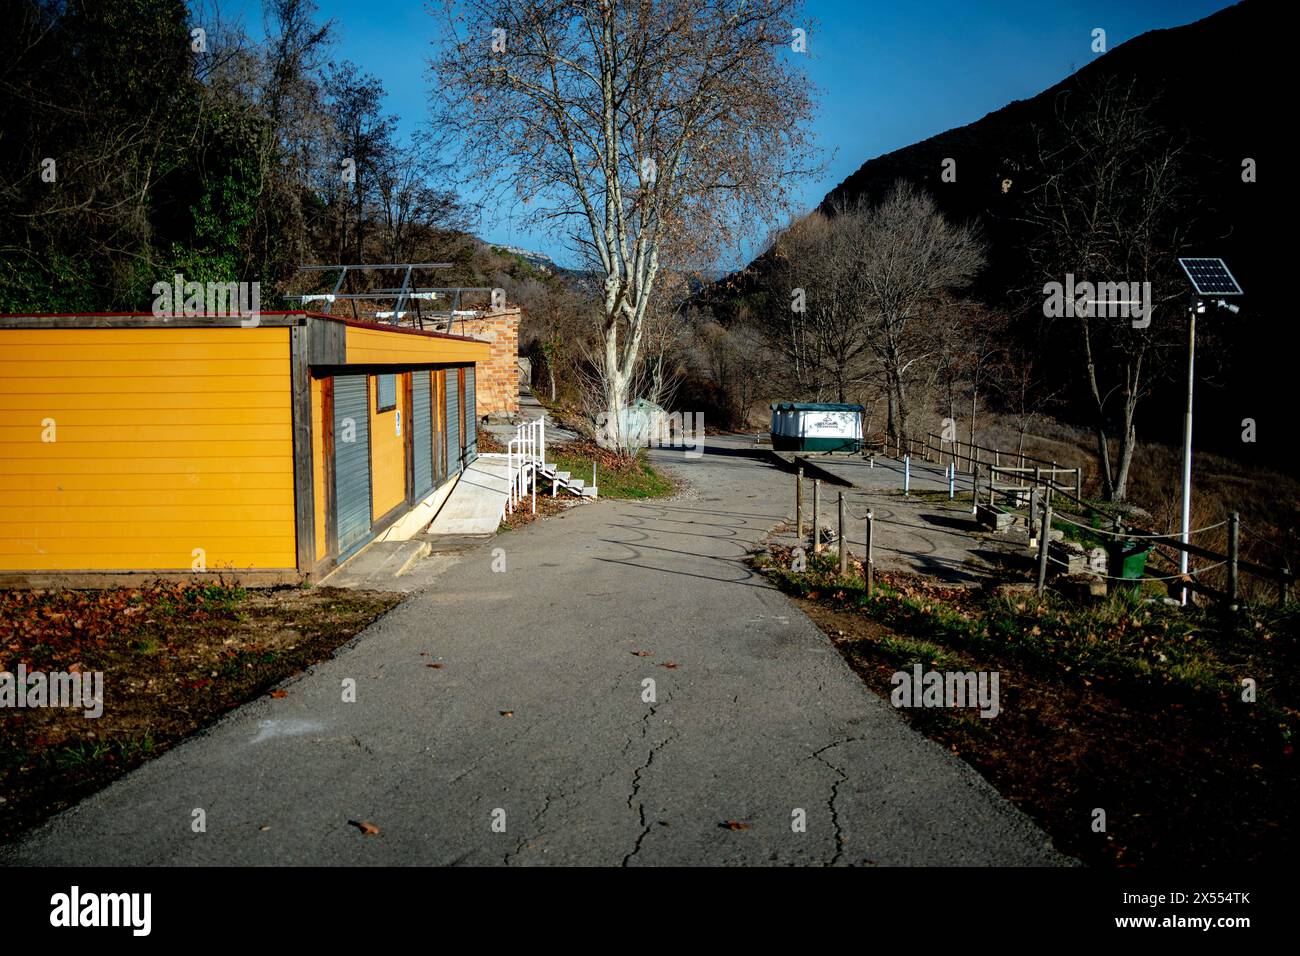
[{"x": 525, "y": 456}]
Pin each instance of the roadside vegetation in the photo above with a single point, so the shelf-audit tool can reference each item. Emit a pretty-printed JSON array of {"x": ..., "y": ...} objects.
[
  {"x": 174, "y": 658},
  {"x": 1131, "y": 706},
  {"x": 617, "y": 476}
]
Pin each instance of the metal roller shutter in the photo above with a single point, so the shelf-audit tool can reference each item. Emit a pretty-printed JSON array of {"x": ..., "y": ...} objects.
[
  {"x": 471, "y": 418},
  {"x": 439, "y": 426},
  {"x": 453, "y": 422},
  {"x": 351, "y": 461},
  {"x": 422, "y": 433}
]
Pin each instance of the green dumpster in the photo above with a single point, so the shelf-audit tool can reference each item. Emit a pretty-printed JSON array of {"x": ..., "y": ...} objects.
[
  {"x": 816, "y": 426},
  {"x": 1128, "y": 560}
]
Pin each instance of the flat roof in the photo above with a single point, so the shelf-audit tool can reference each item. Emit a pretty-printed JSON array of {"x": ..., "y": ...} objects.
[
  {"x": 815, "y": 407},
  {"x": 136, "y": 320}
]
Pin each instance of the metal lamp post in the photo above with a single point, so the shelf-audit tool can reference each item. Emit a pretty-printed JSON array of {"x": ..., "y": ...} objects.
[
  {"x": 1210, "y": 280},
  {"x": 1186, "y": 525}
]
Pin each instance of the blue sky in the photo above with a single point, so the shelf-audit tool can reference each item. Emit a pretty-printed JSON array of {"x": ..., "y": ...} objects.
[{"x": 889, "y": 73}]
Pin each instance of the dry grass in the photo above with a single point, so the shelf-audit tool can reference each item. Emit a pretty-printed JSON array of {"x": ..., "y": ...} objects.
[{"x": 1267, "y": 500}]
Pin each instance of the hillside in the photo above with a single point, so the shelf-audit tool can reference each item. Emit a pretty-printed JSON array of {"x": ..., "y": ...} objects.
[{"x": 1210, "y": 83}]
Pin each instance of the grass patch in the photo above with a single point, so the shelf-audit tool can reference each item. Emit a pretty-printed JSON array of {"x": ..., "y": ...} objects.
[
  {"x": 933, "y": 496},
  {"x": 624, "y": 477},
  {"x": 174, "y": 658}
]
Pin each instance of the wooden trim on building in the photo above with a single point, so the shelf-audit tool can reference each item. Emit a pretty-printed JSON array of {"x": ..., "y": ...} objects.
[
  {"x": 304, "y": 490},
  {"x": 460, "y": 407},
  {"x": 146, "y": 320},
  {"x": 102, "y": 580},
  {"x": 331, "y": 493},
  {"x": 408, "y": 437},
  {"x": 327, "y": 342}
]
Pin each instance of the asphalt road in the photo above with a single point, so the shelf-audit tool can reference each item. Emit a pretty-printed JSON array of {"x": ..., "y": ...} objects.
[{"x": 759, "y": 719}]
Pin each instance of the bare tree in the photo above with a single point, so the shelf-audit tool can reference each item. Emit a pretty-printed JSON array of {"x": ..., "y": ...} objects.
[
  {"x": 753, "y": 365},
  {"x": 1022, "y": 388},
  {"x": 1109, "y": 207},
  {"x": 557, "y": 318},
  {"x": 660, "y": 365},
  {"x": 817, "y": 315},
  {"x": 405, "y": 183},
  {"x": 984, "y": 332},
  {"x": 909, "y": 254},
  {"x": 952, "y": 345},
  {"x": 293, "y": 163},
  {"x": 363, "y": 135},
  {"x": 653, "y": 133}
]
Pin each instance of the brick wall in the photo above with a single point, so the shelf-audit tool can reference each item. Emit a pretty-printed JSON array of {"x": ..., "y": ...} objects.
[{"x": 496, "y": 382}]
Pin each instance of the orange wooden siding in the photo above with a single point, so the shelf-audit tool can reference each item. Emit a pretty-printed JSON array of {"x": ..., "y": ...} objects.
[
  {"x": 377, "y": 347},
  {"x": 318, "y": 462},
  {"x": 387, "y": 452},
  {"x": 165, "y": 441}
]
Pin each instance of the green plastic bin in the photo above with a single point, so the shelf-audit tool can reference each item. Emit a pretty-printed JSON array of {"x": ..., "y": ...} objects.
[{"x": 1128, "y": 560}]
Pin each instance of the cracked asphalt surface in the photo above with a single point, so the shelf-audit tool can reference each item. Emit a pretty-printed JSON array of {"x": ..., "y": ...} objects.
[{"x": 758, "y": 719}]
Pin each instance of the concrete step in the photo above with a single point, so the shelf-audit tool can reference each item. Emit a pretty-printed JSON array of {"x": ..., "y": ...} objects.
[{"x": 575, "y": 484}]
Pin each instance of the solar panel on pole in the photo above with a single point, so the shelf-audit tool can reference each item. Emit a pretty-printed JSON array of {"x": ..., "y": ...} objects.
[{"x": 1210, "y": 277}]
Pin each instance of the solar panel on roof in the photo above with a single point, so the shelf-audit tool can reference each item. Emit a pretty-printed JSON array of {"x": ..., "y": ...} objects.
[{"x": 1210, "y": 277}]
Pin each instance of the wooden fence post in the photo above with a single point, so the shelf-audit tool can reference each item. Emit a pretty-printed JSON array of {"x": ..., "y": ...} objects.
[
  {"x": 868, "y": 566},
  {"x": 844, "y": 542},
  {"x": 1078, "y": 483},
  {"x": 816, "y": 525},
  {"x": 1234, "y": 527},
  {"x": 1043, "y": 541},
  {"x": 798, "y": 505}
]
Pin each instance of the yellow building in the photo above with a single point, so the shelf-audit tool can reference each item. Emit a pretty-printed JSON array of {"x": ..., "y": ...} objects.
[{"x": 134, "y": 445}]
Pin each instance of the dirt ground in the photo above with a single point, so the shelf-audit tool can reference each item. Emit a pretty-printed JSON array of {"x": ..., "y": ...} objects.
[{"x": 174, "y": 658}]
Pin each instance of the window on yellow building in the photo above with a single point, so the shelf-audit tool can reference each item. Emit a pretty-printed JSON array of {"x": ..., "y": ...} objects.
[{"x": 385, "y": 392}]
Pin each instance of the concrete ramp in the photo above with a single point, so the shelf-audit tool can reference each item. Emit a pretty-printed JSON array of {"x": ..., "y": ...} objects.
[
  {"x": 379, "y": 566},
  {"x": 478, "y": 500}
]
